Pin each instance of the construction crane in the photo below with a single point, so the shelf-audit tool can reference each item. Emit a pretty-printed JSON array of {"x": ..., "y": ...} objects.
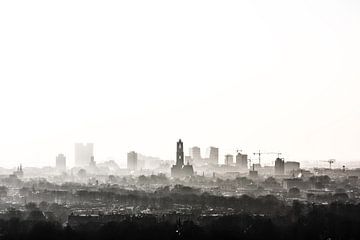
[
  {"x": 258, "y": 153},
  {"x": 330, "y": 161},
  {"x": 261, "y": 153}
]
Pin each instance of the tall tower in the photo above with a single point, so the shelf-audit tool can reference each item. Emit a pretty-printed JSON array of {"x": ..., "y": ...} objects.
[
  {"x": 179, "y": 153},
  {"x": 242, "y": 161},
  {"x": 179, "y": 169},
  {"x": 279, "y": 166},
  {"x": 195, "y": 154},
  {"x": 132, "y": 160},
  {"x": 213, "y": 154},
  {"x": 229, "y": 159},
  {"x": 61, "y": 162}
]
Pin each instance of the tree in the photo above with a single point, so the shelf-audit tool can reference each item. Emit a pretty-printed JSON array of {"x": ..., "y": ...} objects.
[{"x": 31, "y": 206}]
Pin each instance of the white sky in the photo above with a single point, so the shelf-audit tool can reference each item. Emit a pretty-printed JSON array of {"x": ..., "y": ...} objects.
[{"x": 138, "y": 75}]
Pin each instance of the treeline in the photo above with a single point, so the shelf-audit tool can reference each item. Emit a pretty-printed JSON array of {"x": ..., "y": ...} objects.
[
  {"x": 166, "y": 198},
  {"x": 336, "y": 221}
]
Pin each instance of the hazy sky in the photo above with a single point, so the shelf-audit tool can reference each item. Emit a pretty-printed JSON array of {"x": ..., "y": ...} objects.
[{"x": 138, "y": 75}]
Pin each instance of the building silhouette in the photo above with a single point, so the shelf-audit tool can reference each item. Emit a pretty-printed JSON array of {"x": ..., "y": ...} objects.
[
  {"x": 19, "y": 172},
  {"x": 132, "y": 161},
  {"x": 229, "y": 159},
  {"x": 253, "y": 173},
  {"x": 61, "y": 162},
  {"x": 279, "y": 166},
  {"x": 195, "y": 154},
  {"x": 83, "y": 154},
  {"x": 180, "y": 169},
  {"x": 242, "y": 161},
  {"x": 291, "y": 167},
  {"x": 213, "y": 154}
]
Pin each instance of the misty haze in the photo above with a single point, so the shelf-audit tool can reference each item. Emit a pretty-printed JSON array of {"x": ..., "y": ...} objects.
[{"x": 179, "y": 120}]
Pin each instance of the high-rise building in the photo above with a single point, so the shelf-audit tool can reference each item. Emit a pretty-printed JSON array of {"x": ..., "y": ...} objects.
[
  {"x": 179, "y": 169},
  {"x": 213, "y": 154},
  {"x": 229, "y": 159},
  {"x": 279, "y": 166},
  {"x": 61, "y": 162},
  {"x": 195, "y": 154},
  {"x": 132, "y": 160},
  {"x": 242, "y": 161},
  {"x": 83, "y": 154}
]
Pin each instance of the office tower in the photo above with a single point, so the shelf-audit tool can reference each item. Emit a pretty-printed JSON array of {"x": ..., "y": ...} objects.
[
  {"x": 132, "y": 160},
  {"x": 213, "y": 154},
  {"x": 179, "y": 169},
  {"x": 83, "y": 154},
  {"x": 195, "y": 154},
  {"x": 229, "y": 159},
  {"x": 242, "y": 161},
  {"x": 279, "y": 166},
  {"x": 61, "y": 162},
  {"x": 238, "y": 159}
]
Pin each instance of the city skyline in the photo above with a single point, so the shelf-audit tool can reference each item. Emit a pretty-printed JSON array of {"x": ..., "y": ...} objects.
[
  {"x": 280, "y": 76},
  {"x": 179, "y": 120},
  {"x": 85, "y": 152}
]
